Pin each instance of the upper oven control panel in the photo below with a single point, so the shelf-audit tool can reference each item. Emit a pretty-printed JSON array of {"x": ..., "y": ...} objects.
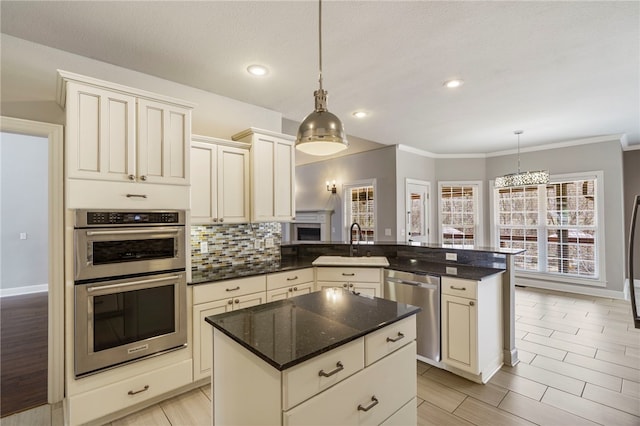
[{"x": 92, "y": 218}]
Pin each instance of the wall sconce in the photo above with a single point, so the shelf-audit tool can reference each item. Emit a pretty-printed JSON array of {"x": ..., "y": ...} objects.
[{"x": 331, "y": 187}]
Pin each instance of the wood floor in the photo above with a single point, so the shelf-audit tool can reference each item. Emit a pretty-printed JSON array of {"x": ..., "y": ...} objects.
[
  {"x": 580, "y": 365},
  {"x": 23, "y": 352}
]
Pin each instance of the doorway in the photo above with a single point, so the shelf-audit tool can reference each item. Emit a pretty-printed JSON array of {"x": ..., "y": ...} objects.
[
  {"x": 417, "y": 210},
  {"x": 32, "y": 235}
]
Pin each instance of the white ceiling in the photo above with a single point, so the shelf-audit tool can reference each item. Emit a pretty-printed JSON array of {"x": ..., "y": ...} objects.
[{"x": 558, "y": 70}]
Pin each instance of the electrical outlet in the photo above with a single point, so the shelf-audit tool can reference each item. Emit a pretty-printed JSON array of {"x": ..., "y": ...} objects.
[
  {"x": 23, "y": 235},
  {"x": 451, "y": 270},
  {"x": 204, "y": 247},
  {"x": 387, "y": 232},
  {"x": 452, "y": 256},
  {"x": 257, "y": 244},
  {"x": 268, "y": 242}
]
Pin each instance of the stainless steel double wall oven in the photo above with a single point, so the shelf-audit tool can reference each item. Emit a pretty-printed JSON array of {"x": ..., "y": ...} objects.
[{"x": 130, "y": 286}]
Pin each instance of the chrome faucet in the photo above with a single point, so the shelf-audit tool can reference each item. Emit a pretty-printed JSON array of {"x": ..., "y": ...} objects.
[{"x": 351, "y": 247}]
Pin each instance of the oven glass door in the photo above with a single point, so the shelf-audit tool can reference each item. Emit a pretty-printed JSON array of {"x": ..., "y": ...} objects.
[
  {"x": 122, "y": 320},
  {"x": 123, "y": 251}
]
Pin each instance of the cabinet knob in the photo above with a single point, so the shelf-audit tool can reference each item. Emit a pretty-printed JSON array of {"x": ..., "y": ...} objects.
[
  {"x": 290, "y": 289},
  {"x": 215, "y": 219},
  {"x": 295, "y": 289},
  {"x": 221, "y": 220},
  {"x": 237, "y": 301},
  {"x": 351, "y": 285},
  {"x": 131, "y": 177},
  {"x": 472, "y": 303},
  {"x": 345, "y": 285},
  {"x": 143, "y": 178},
  {"x": 230, "y": 302}
]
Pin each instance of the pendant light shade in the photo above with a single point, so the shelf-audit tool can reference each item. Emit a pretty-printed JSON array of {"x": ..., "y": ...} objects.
[
  {"x": 539, "y": 177},
  {"x": 321, "y": 132}
]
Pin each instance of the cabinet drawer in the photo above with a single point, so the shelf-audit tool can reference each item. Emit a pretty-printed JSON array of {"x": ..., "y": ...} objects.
[
  {"x": 226, "y": 289},
  {"x": 459, "y": 287},
  {"x": 289, "y": 278},
  {"x": 381, "y": 343},
  {"x": 407, "y": 415},
  {"x": 117, "y": 396},
  {"x": 371, "y": 275},
  {"x": 392, "y": 382},
  {"x": 304, "y": 380}
]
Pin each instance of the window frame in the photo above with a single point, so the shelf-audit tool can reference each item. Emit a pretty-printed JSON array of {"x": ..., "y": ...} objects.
[
  {"x": 346, "y": 207},
  {"x": 478, "y": 217},
  {"x": 543, "y": 227}
]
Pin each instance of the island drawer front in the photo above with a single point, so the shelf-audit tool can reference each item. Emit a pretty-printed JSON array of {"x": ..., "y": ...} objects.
[
  {"x": 289, "y": 278},
  {"x": 392, "y": 382},
  {"x": 302, "y": 381},
  {"x": 407, "y": 415},
  {"x": 349, "y": 274},
  {"x": 230, "y": 288},
  {"x": 117, "y": 396},
  {"x": 459, "y": 287},
  {"x": 388, "y": 339}
]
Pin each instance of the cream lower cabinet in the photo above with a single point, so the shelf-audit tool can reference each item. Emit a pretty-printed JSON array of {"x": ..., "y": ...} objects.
[
  {"x": 360, "y": 280},
  {"x": 219, "y": 181},
  {"x": 213, "y": 299},
  {"x": 283, "y": 285},
  {"x": 378, "y": 390},
  {"x": 472, "y": 326}
]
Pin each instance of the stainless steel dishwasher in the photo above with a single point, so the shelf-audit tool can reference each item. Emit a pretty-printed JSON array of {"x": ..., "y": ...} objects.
[{"x": 421, "y": 290}]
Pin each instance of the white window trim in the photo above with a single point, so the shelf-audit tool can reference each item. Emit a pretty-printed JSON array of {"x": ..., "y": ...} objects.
[
  {"x": 479, "y": 239},
  {"x": 346, "y": 206},
  {"x": 529, "y": 277},
  {"x": 407, "y": 207}
]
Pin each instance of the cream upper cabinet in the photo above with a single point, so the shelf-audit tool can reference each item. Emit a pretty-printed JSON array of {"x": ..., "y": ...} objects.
[
  {"x": 272, "y": 175},
  {"x": 116, "y": 133},
  {"x": 219, "y": 181}
]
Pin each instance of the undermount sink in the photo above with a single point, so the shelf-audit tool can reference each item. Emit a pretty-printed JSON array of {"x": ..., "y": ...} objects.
[{"x": 379, "y": 261}]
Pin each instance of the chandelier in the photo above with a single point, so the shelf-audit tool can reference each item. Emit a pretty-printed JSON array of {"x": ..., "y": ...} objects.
[{"x": 538, "y": 177}]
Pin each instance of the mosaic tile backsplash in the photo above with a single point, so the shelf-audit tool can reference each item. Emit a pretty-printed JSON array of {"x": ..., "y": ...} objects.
[{"x": 234, "y": 244}]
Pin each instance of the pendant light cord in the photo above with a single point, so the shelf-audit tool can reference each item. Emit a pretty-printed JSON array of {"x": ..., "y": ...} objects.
[
  {"x": 518, "y": 132},
  {"x": 320, "y": 41}
]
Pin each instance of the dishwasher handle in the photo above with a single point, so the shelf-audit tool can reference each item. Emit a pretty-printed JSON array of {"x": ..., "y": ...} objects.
[{"x": 413, "y": 283}]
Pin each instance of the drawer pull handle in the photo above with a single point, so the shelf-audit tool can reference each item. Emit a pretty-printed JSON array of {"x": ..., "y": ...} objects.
[
  {"x": 373, "y": 403},
  {"x": 136, "y": 196},
  {"x": 345, "y": 274},
  {"x": 458, "y": 288},
  {"x": 145, "y": 388},
  {"x": 292, "y": 278},
  {"x": 233, "y": 289},
  {"x": 339, "y": 367},
  {"x": 395, "y": 339}
]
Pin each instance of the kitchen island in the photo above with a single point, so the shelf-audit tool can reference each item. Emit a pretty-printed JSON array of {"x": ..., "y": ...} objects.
[{"x": 329, "y": 357}]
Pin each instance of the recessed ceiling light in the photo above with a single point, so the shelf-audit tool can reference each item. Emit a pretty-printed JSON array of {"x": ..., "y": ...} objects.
[
  {"x": 257, "y": 70},
  {"x": 452, "y": 84},
  {"x": 360, "y": 114}
]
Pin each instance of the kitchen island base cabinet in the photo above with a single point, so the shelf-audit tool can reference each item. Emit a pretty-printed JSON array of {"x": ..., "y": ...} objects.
[{"x": 472, "y": 327}]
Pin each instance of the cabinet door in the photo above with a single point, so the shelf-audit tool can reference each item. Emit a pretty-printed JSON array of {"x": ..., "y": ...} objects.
[
  {"x": 277, "y": 294},
  {"x": 263, "y": 150},
  {"x": 164, "y": 137},
  {"x": 300, "y": 289},
  {"x": 369, "y": 289},
  {"x": 100, "y": 133},
  {"x": 460, "y": 333},
  {"x": 249, "y": 300},
  {"x": 284, "y": 178},
  {"x": 233, "y": 185},
  {"x": 204, "y": 204},
  {"x": 202, "y": 339}
]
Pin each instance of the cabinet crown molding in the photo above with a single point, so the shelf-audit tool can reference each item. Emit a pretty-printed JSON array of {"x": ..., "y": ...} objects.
[
  {"x": 66, "y": 76},
  {"x": 254, "y": 130}
]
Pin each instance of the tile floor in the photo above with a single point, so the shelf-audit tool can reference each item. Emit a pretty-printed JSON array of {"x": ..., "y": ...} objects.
[{"x": 580, "y": 365}]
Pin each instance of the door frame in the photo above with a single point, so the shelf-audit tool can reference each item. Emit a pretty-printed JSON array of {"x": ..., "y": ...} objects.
[
  {"x": 427, "y": 206},
  {"x": 55, "y": 134}
]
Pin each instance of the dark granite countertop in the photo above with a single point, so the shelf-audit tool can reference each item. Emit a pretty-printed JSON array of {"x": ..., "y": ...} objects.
[
  {"x": 287, "y": 332},
  {"x": 475, "y": 273}
]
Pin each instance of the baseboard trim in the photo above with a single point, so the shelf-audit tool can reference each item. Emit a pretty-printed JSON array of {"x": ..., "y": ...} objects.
[
  {"x": 18, "y": 291},
  {"x": 589, "y": 291}
]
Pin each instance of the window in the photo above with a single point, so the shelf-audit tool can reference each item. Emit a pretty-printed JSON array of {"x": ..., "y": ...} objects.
[
  {"x": 556, "y": 223},
  {"x": 459, "y": 214},
  {"x": 360, "y": 208}
]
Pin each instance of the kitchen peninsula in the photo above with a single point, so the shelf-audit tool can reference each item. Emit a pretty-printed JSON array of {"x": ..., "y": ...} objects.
[{"x": 328, "y": 357}]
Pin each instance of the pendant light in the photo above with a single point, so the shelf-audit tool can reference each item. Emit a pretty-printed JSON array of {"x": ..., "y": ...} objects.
[
  {"x": 321, "y": 132},
  {"x": 538, "y": 177}
]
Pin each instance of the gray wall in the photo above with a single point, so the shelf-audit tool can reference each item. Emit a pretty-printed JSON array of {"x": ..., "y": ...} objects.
[
  {"x": 311, "y": 192},
  {"x": 605, "y": 156},
  {"x": 631, "y": 189},
  {"x": 24, "y": 204}
]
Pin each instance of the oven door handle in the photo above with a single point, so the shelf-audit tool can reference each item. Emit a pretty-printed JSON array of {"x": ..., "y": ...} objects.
[
  {"x": 136, "y": 231},
  {"x": 131, "y": 283}
]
